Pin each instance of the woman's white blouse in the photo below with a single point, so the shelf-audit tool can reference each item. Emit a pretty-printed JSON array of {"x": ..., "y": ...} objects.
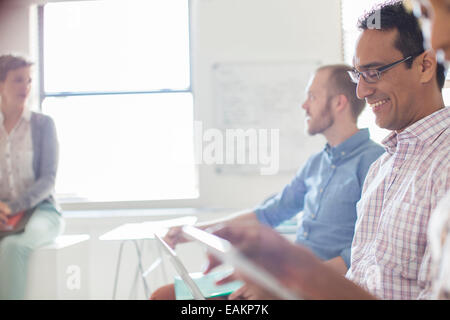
[{"x": 16, "y": 158}]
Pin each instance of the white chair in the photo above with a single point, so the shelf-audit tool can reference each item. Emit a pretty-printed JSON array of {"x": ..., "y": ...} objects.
[{"x": 59, "y": 270}]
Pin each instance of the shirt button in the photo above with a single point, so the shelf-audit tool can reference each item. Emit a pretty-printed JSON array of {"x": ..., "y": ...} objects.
[
  {"x": 343, "y": 153},
  {"x": 313, "y": 216},
  {"x": 305, "y": 234},
  {"x": 333, "y": 166},
  {"x": 321, "y": 190}
]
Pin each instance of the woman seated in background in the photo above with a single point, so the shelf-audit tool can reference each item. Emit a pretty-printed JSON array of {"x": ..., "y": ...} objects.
[{"x": 28, "y": 163}]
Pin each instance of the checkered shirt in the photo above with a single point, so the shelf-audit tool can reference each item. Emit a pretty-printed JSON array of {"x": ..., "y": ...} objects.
[
  {"x": 439, "y": 241},
  {"x": 390, "y": 255}
]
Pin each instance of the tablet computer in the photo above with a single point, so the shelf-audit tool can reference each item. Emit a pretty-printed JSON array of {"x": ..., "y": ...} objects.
[
  {"x": 181, "y": 269},
  {"x": 224, "y": 251}
]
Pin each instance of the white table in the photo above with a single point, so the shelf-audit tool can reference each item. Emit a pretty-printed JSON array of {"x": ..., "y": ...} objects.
[{"x": 142, "y": 231}]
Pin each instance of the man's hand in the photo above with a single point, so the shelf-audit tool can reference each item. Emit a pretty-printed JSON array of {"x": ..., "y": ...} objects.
[
  {"x": 267, "y": 248},
  {"x": 287, "y": 262},
  {"x": 174, "y": 236},
  {"x": 295, "y": 266}
]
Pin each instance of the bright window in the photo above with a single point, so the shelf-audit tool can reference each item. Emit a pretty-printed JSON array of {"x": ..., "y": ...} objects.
[{"x": 117, "y": 83}]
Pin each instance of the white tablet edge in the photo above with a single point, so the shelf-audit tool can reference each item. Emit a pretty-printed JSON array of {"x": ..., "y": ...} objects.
[
  {"x": 182, "y": 271},
  {"x": 223, "y": 250}
]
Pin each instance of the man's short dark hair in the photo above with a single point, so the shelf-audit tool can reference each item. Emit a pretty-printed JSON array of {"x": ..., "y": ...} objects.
[
  {"x": 410, "y": 41},
  {"x": 339, "y": 82}
]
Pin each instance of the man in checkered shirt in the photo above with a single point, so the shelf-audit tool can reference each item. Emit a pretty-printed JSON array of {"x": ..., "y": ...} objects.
[
  {"x": 390, "y": 256},
  {"x": 402, "y": 84}
]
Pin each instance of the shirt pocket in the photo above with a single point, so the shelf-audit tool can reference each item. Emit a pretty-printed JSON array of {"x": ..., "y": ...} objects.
[
  {"x": 344, "y": 186},
  {"x": 401, "y": 240},
  {"x": 338, "y": 204}
]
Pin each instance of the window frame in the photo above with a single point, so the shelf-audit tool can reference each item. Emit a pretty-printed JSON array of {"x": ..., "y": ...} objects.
[{"x": 125, "y": 204}]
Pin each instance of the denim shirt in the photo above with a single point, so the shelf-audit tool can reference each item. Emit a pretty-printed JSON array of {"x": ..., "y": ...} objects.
[{"x": 326, "y": 189}]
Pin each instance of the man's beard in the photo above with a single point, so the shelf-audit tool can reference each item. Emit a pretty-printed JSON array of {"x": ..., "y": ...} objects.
[{"x": 325, "y": 119}]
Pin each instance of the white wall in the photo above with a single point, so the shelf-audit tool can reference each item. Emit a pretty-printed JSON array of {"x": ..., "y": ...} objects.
[
  {"x": 227, "y": 30},
  {"x": 222, "y": 31},
  {"x": 255, "y": 30},
  {"x": 14, "y": 22}
]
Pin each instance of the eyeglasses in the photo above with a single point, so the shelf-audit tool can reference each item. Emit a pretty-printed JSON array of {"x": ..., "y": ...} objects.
[{"x": 373, "y": 75}]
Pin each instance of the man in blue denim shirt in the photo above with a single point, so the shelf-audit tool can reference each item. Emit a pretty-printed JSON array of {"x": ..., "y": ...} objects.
[
  {"x": 328, "y": 186},
  {"x": 326, "y": 189}
]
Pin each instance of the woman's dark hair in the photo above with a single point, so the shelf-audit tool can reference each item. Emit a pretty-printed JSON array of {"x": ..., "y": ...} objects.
[
  {"x": 393, "y": 15},
  {"x": 9, "y": 62}
]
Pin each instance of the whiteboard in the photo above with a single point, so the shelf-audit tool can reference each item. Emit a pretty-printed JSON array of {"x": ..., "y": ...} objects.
[{"x": 266, "y": 95}]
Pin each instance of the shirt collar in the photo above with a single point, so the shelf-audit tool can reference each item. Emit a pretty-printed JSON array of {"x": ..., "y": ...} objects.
[
  {"x": 343, "y": 149},
  {"x": 26, "y": 114},
  {"x": 423, "y": 130}
]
